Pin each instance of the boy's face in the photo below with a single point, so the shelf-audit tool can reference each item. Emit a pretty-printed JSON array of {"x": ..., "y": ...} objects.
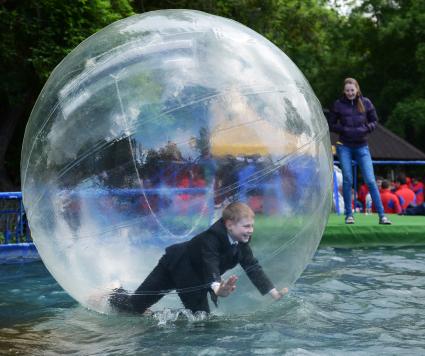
[{"x": 242, "y": 230}]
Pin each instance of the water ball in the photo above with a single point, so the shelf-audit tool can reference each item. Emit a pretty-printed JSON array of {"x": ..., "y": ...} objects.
[{"x": 148, "y": 129}]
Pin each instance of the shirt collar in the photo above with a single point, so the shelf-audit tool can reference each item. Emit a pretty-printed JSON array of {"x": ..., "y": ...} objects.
[{"x": 231, "y": 241}]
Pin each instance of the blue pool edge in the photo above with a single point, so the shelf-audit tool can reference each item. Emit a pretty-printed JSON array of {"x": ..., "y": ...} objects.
[{"x": 18, "y": 253}]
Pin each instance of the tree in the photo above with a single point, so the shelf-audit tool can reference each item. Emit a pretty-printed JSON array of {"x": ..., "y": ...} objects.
[
  {"x": 391, "y": 41},
  {"x": 408, "y": 121},
  {"x": 380, "y": 43},
  {"x": 34, "y": 37}
]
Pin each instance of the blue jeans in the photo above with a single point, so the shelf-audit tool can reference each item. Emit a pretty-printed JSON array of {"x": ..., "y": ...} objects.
[{"x": 362, "y": 156}]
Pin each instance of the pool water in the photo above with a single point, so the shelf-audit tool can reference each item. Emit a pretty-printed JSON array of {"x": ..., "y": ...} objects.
[{"x": 347, "y": 302}]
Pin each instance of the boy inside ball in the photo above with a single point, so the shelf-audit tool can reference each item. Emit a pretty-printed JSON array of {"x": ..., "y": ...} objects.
[{"x": 194, "y": 268}]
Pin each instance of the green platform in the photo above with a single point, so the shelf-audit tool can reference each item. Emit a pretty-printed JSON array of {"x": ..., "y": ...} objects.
[{"x": 366, "y": 232}]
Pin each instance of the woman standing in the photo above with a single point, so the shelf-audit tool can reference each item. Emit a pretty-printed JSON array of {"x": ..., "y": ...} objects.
[{"x": 353, "y": 117}]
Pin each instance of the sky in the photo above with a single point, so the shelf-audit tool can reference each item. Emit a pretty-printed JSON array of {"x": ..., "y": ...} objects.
[{"x": 344, "y": 6}]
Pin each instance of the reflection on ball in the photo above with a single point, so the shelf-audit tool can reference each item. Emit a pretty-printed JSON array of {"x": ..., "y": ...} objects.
[{"x": 147, "y": 129}]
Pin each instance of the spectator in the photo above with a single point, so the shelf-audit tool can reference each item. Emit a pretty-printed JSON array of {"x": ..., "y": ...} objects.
[
  {"x": 389, "y": 200},
  {"x": 368, "y": 207},
  {"x": 354, "y": 117},
  {"x": 338, "y": 199},
  {"x": 415, "y": 210},
  {"x": 362, "y": 193},
  {"x": 404, "y": 193},
  {"x": 379, "y": 182},
  {"x": 356, "y": 204},
  {"x": 393, "y": 187},
  {"x": 418, "y": 189}
]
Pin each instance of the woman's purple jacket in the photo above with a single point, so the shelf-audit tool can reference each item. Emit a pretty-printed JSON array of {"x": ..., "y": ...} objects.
[{"x": 352, "y": 125}]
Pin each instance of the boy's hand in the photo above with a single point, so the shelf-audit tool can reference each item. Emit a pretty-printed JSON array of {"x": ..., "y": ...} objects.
[
  {"x": 276, "y": 295},
  {"x": 226, "y": 287}
]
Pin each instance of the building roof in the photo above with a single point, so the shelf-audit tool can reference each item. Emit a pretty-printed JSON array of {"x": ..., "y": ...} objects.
[{"x": 386, "y": 145}]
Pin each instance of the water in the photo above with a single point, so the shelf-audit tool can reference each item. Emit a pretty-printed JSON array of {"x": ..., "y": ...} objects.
[{"x": 348, "y": 302}]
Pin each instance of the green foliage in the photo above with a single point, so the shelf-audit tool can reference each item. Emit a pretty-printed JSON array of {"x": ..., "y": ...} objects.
[
  {"x": 392, "y": 39},
  {"x": 36, "y": 35},
  {"x": 408, "y": 120},
  {"x": 420, "y": 58},
  {"x": 380, "y": 43}
]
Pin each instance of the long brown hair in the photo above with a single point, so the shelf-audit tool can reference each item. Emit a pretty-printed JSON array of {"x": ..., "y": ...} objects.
[{"x": 360, "y": 106}]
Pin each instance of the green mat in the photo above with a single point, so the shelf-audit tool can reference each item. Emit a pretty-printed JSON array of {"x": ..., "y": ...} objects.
[{"x": 366, "y": 232}]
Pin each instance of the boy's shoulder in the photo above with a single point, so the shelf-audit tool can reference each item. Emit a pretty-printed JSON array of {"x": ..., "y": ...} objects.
[{"x": 217, "y": 229}]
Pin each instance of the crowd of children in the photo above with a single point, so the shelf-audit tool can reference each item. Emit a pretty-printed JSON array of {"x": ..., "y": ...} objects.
[{"x": 405, "y": 195}]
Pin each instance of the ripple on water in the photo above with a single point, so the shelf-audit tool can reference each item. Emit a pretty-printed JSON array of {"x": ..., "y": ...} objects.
[{"x": 348, "y": 302}]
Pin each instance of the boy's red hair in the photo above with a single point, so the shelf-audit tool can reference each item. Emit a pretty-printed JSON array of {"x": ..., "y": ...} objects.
[{"x": 237, "y": 211}]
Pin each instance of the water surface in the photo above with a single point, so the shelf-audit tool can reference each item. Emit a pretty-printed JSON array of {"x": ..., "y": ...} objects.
[{"x": 347, "y": 302}]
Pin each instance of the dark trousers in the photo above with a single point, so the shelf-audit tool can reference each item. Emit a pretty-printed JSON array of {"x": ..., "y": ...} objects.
[
  {"x": 416, "y": 210},
  {"x": 164, "y": 278}
]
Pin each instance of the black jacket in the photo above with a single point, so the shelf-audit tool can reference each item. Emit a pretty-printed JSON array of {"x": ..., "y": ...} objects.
[
  {"x": 211, "y": 254},
  {"x": 352, "y": 125}
]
